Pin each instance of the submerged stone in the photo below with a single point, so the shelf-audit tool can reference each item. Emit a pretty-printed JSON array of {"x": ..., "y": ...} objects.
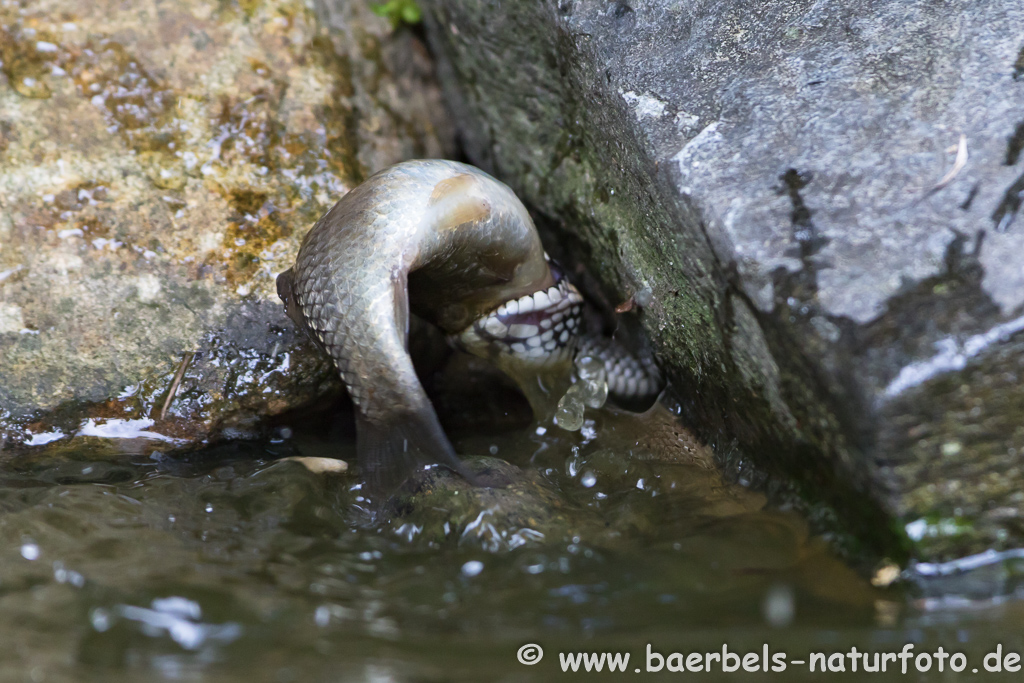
[
  {"x": 626, "y": 478},
  {"x": 515, "y": 509}
]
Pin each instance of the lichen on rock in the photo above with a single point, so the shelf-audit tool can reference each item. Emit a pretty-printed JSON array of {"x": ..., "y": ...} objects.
[{"x": 159, "y": 166}]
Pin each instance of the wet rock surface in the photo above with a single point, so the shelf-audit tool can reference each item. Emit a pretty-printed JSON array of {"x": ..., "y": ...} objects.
[
  {"x": 821, "y": 200},
  {"x": 159, "y": 164}
]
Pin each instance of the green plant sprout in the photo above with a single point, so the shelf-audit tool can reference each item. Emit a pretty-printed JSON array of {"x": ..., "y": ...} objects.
[{"x": 398, "y": 11}]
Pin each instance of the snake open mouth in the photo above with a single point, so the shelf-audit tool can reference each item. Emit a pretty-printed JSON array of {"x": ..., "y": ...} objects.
[
  {"x": 545, "y": 329},
  {"x": 539, "y": 328}
]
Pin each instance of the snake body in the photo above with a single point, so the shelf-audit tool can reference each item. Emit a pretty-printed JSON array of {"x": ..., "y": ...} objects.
[{"x": 449, "y": 243}]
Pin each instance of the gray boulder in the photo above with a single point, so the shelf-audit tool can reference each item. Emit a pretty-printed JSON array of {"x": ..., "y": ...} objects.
[{"x": 817, "y": 203}]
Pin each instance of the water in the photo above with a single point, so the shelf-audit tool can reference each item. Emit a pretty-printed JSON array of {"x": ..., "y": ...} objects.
[
  {"x": 590, "y": 390},
  {"x": 234, "y": 565}
]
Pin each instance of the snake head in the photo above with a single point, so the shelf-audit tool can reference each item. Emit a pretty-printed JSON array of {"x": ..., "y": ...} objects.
[{"x": 532, "y": 339}]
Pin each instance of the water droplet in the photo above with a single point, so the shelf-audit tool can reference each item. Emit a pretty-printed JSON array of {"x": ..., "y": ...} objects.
[
  {"x": 588, "y": 479},
  {"x": 779, "y": 607},
  {"x": 569, "y": 413},
  {"x": 588, "y": 367},
  {"x": 100, "y": 619},
  {"x": 593, "y": 381},
  {"x": 30, "y": 551},
  {"x": 472, "y": 568},
  {"x": 951, "y": 448},
  {"x": 594, "y": 393}
]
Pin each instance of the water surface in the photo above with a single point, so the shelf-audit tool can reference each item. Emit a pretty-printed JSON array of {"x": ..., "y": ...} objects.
[{"x": 233, "y": 565}]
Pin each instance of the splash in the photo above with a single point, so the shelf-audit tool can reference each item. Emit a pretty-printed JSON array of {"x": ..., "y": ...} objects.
[{"x": 590, "y": 390}]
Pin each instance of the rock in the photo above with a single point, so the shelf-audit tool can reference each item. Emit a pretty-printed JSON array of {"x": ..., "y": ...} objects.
[
  {"x": 159, "y": 165},
  {"x": 819, "y": 204},
  {"x": 319, "y": 465}
]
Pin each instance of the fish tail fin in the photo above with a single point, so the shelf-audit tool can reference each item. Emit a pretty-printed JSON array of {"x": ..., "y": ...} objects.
[{"x": 391, "y": 451}]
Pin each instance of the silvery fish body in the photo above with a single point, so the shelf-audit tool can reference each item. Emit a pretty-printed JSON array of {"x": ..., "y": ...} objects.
[{"x": 453, "y": 245}]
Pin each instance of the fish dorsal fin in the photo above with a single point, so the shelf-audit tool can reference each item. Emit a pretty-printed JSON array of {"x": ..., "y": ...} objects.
[
  {"x": 286, "y": 292},
  {"x": 456, "y": 201}
]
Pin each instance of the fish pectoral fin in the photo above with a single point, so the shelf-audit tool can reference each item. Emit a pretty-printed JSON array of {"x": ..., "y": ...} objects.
[
  {"x": 391, "y": 452},
  {"x": 400, "y": 295}
]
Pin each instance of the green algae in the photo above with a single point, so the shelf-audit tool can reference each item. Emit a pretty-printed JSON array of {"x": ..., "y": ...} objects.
[
  {"x": 341, "y": 120},
  {"x": 28, "y": 56},
  {"x": 959, "y": 441},
  {"x": 141, "y": 109}
]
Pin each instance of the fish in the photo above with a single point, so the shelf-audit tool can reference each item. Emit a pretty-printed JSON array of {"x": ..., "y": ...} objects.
[{"x": 446, "y": 242}]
